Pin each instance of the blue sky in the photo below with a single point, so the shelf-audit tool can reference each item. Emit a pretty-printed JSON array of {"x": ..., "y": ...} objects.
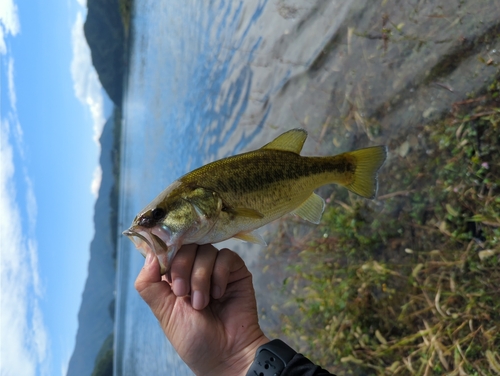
[{"x": 52, "y": 109}]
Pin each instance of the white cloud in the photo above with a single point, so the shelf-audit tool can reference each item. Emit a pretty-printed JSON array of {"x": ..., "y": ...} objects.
[
  {"x": 39, "y": 335},
  {"x": 96, "y": 181},
  {"x": 10, "y": 83},
  {"x": 3, "y": 46},
  {"x": 9, "y": 22},
  {"x": 86, "y": 83},
  {"x": 12, "y": 114},
  {"x": 65, "y": 364},
  {"x": 87, "y": 87},
  {"x": 21, "y": 319},
  {"x": 31, "y": 206}
]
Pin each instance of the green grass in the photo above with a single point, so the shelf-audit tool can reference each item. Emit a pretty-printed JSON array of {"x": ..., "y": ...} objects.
[
  {"x": 408, "y": 283},
  {"x": 104, "y": 359},
  {"x": 126, "y": 13}
]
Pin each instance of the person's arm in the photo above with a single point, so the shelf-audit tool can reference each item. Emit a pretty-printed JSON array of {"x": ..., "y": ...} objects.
[
  {"x": 207, "y": 309},
  {"x": 277, "y": 358},
  {"x": 221, "y": 334}
]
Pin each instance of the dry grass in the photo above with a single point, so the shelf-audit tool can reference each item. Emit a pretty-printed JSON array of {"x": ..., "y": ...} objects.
[{"x": 409, "y": 283}]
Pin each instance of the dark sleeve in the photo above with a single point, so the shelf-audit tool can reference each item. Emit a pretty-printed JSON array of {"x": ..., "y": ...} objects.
[{"x": 301, "y": 366}]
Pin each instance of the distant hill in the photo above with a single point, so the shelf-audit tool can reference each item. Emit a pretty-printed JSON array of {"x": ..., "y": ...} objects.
[
  {"x": 96, "y": 315},
  {"x": 105, "y": 36}
]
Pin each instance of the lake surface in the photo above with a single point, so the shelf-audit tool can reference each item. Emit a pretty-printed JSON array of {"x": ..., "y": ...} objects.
[{"x": 211, "y": 79}]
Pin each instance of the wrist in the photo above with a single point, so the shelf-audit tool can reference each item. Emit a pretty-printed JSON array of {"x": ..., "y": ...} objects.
[
  {"x": 240, "y": 363},
  {"x": 249, "y": 355},
  {"x": 271, "y": 359}
]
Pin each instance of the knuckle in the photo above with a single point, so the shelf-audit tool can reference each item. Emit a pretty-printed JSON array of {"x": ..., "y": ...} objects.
[
  {"x": 201, "y": 277},
  {"x": 221, "y": 271},
  {"x": 181, "y": 266}
]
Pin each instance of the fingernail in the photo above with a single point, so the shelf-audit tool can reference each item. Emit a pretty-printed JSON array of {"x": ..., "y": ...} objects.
[
  {"x": 216, "y": 292},
  {"x": 197, "y": 300},
  {"x": 149, "y": 258},
  {"x": 179, "y": 287}
]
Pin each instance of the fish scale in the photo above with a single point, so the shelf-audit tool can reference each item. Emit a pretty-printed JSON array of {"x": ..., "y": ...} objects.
[{"x": 236, "y": 195}]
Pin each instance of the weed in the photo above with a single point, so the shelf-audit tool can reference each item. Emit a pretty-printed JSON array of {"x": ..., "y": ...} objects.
[{"x": 409, "y": 283}]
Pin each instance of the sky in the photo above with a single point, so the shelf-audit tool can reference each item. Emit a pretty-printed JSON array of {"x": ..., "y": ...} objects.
[{"x": 52, "y": 110}]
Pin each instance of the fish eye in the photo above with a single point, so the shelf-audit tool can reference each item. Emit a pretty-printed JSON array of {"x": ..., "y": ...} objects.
[{"x": 157, "y": 213}]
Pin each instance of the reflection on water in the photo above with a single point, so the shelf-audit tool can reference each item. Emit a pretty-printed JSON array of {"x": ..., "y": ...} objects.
[{"x": 209, "y": 80}]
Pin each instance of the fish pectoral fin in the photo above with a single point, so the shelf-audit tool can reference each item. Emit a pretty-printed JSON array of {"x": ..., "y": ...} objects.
[
  {"x": 292, "y": 140},
  {"x": 251, "y": 237},
  {"x": 311, "y": 209},
  {"x": 247, "y": 212}
]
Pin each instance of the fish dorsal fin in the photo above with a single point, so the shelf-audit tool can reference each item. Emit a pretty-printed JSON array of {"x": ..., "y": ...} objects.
[
  {"x": 292, "y": 140},
  {"x": 311, "y": 209}
]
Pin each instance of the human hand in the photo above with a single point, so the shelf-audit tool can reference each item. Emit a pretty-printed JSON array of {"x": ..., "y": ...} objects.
[{"x": 215, "y": 330}]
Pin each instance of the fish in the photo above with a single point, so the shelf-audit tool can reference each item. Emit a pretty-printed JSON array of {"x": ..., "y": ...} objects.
[{"x": 234, "y": 196}]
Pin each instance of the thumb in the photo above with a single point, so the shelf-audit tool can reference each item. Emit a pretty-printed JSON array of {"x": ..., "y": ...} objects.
[{"x": 151, "y": 287}]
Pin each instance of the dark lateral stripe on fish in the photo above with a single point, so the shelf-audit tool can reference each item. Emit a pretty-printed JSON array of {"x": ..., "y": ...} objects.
[
  {"x": 234, "y": 196},
  {"x": 263, "y": 171}
]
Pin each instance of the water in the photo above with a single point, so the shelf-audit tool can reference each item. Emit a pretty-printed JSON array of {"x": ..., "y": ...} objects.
[
  {"x": 188, "y": 87},
  {"x": 210, "y": 79}
]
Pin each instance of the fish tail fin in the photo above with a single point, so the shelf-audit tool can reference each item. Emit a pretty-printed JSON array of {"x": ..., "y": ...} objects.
[{"x": 367, "y": 162}]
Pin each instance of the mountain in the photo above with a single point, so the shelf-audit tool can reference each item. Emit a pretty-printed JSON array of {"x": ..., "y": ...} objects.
[
  {"x": 105, "y": 36},
  {"x": 96, "y": 315}
]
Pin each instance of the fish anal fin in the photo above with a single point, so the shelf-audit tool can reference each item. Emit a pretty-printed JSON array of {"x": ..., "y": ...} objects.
[
  {"x": 251, "y": 237},
  {"x": 293, "y": 140},
  {"x": 247, "y": 212},
  {"x": 311, "y": 209}
]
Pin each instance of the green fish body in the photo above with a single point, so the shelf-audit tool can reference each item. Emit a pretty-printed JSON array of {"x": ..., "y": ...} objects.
[{"x": 232, "y": 197}]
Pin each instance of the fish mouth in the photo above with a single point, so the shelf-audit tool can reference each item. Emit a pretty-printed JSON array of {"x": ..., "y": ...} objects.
[
  {"x": 132, "y": 234},
  {"x": 141, "y": 240},
  {"x": 151, "y": 240}
]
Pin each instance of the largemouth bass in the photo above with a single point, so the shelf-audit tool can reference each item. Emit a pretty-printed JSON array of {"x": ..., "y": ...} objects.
[{"x": 232, "y": 197}]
